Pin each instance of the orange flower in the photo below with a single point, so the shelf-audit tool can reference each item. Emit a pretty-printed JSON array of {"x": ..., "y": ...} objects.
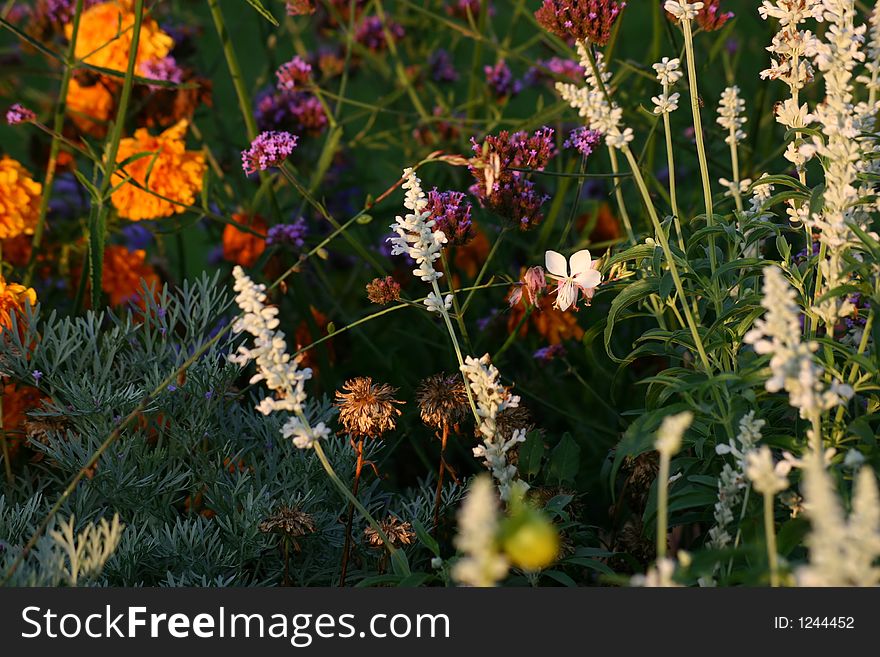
[
  {"x": 469, "y": 259},
  {"x": 105, "y": 36},
  {"x": 552, "y": 324},
  {"x": 16, "y": 403},
  {"x": 170, "y": 171},
  {"x": 17, "y": 250},
  {"x": 123, "y": 271},
  {"x": 19, "y": 199},
  {"x": 12, "y": 300},
  {"x": 244, "y": 248},
  {"x": 90, "y": 107},
  {"x": 605, "y": 227}
]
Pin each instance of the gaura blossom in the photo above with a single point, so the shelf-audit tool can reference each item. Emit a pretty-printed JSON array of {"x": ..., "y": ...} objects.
[
  {"x": 13, "y": 298},
  {"x": 577, "y": 275},
  {"x": 19, "y": 199},
  {"x": 533, "y": 282},
  {"x": 105, "y": 37},
  {"x": 169, "y": 170}
]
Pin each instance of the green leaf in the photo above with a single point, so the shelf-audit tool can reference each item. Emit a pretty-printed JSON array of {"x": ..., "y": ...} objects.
[
  {"x": 531, "y": 453},
  {"x": 561, "y": 577},
  {"x": 565, "y": 460},
  {"x": 426, "y": 538},
  {"x": 667, "y": 284},
  {"x": 631, "y": 294},
  {"x": 94, "y": 194},
  {"x": 262, "y": 11}
]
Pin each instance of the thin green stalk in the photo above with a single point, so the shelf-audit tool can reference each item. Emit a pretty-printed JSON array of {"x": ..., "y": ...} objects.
[
  {"x": 693, "y": 90},
  {"x": 58, "y": 126},
  {"x": 484, "y": 269},
  {"x": 670, "y": 159},
  {"x": 455, "y": 305},
  {"x": 770, "y": 534},
  {"x": 618, "y": 195},
  {"x": 396, "y": 555},
  {"x": 670, "y": 259},
  {"x": 662, "y": 504}
]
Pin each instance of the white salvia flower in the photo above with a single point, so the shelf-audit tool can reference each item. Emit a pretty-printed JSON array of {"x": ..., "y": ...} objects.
[
  {"x": 760, "y": 193},
  {"x": 668, "y": 71},
  {"x": 843, "y": 552},
  {"x": 658, "y": 576},
  {"x": 791, "y": 48},
  {"x": 274, "y": 365},
  {"x": 792, "y": 115},
  {"x": 491, "y": 398},
  {"x": 482, "y": 564},
  {"x": 415, "y": 234},
  {"x": 434, "y": 302},
  {"x": 734, "y": 188},
  {"x": 767, "y": 477},
  {"x": 682, "y": 10},
  {"x": 730, "y": 111},
  {"x": 665, "y": 104},
  {"x": 792, "y": 366},
  {"x": 304, "y": 436},
  {"x": 748, "y": 436},
  {"x": 592, "y": 103},
  {"x": 671, "y": 432}
]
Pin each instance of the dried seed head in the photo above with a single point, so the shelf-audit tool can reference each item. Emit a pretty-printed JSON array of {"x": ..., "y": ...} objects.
[
  {"x": 290, "y": 522},
  {"x": 383, "y": 291},
  {"x": 443, "y": 400},
  {"x": 400, "y": 533},
  {"x": 367, "y": 410},
  {"x": 513, "y": 418}
]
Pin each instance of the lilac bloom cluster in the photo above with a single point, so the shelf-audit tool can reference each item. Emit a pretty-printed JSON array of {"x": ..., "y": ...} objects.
[
  {"x": 451, "y": 214},
  {"x": 269, "y": 149},
  {"x": 583, "y": 140},
  {"x": 293, "y": 234}
]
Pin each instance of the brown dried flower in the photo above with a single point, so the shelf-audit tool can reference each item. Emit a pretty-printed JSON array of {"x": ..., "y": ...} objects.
[
  {"x": 289, "y": 522},
  {"x": 383, "y": 290},
  {"x": 443, "y": 400},
  {"x": 367, "y": 410},
  {"x": 400, "y": 533}
]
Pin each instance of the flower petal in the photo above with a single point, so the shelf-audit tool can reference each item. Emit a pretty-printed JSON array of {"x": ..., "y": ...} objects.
[
  {"x": 556, "y": 264},
  {"x": 580, "y": 262}
]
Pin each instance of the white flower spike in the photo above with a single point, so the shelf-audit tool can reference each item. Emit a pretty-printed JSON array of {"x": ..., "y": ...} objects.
[{"x": 576, "y": 275}]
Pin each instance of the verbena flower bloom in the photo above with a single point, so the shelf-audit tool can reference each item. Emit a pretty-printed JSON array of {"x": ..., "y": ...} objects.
[
  {"x": 269, "y": 149},
  {"x": 767, "y": 477},
  {"x": 294, "y": 111},
  {"x": 500, "y": 80},
  {"x": 583, "y": 140},
  {"x": 671, "y": 432},
  {"x": 18, "y": 114},
  {"x": 730, "y": 115},
  {"x": 441, "y": 66},
  {"x": 165, "y": 69},
  {"x": 415, "y": 233},
  {"x": 300, "y": 7},
  {"x": 452, "y": 215},
  {"x": 710, "y": 18},
  {"x": 275, "y": 366},
  {"x": 576, "y": 276},
  {"x": 288, "y": 234},
  {"x": 491, "y": 399},
  {"x": 582, "y": 20},
  {"x": 482, "y": 563},
  {"x": 371, "y": 33},
  {"x": 293, "y": 74}
]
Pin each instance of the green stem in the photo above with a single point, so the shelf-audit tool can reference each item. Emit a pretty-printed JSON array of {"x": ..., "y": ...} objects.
[
  {"x": 770, "y": 533},
  {"x": 662, "y": 505},
  {"x": 670, "y": 160},
  {"x": 670, "y": 259},
  {"x": 698, "y": 134},
  {"x": 618, "y": 195}
]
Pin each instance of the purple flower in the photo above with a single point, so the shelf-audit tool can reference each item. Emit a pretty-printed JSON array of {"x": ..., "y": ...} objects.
[
  {"x": 18, "y": 114},
  {"x": 269, "y": 149},
  {"x": 294, "y": 73},
  {"x": 371, "y": 33},
  {"x": 549, "y": 353},
  {"x": 165, "y": 69},
  {"x": 550, "y": 70},
  {"x": 288, "y": 234},
  {"x": 583, "y": 140},
  {"x": 452, "y": 215},
  {"x": 37, "y": 374},
  {"x": 297, "y": 111},
  {"x": 442, "y": 69},
  {"x": 500, "y": 80}
]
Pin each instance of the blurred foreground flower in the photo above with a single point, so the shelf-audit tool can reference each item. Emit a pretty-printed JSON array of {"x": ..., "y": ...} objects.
[
  {"x": 19, "y": 199},
  {"x": 13, "y": 298},
  {"x": 482, "y": 563}
]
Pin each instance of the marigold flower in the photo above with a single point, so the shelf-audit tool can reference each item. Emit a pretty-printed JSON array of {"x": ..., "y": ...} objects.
[
  {"x": 123, "y": 272},
  {"x": 367, "y": 410},
  {"x": 171, "y": 172},
  {"x": 13, "y": 298},
  {"x": 90, "y": 106},
  {"x": 105, "y": 37},
  {"x": 241, "y": 247},
  {"x": 19, "y": 199}
]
